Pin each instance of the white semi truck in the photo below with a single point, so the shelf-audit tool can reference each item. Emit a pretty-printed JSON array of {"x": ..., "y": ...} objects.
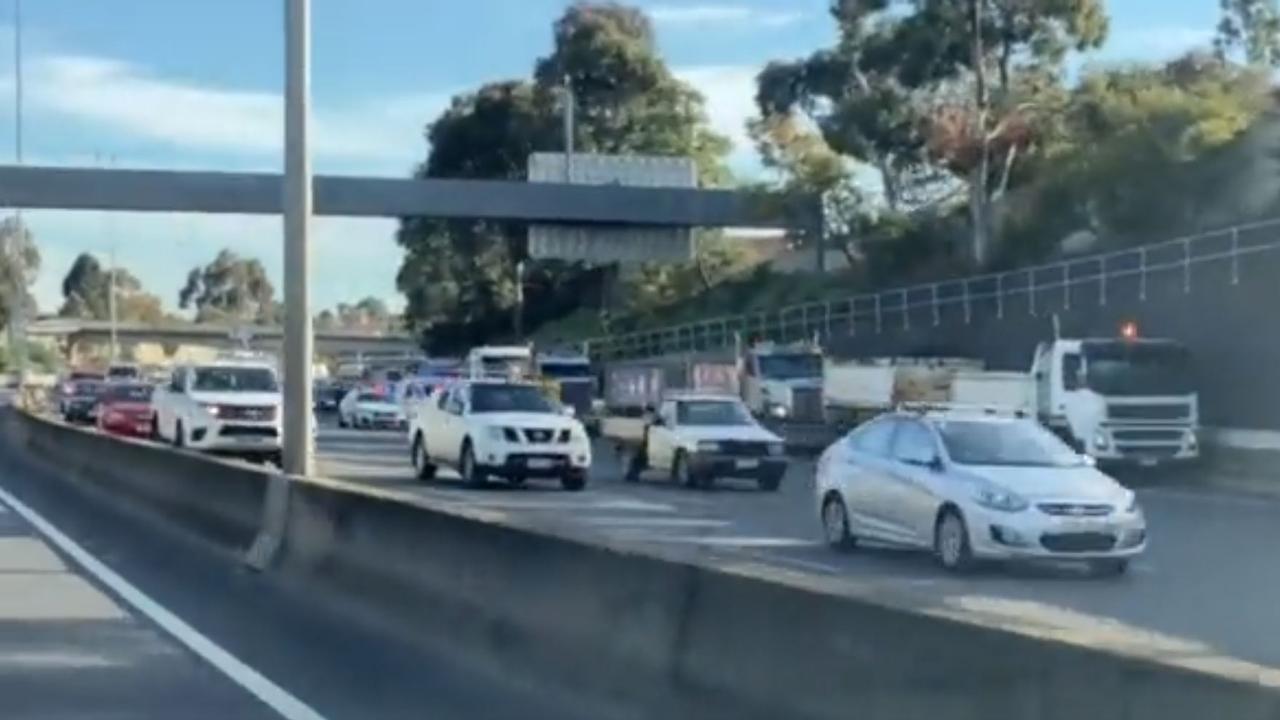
[{"x": 783, "y": 382}]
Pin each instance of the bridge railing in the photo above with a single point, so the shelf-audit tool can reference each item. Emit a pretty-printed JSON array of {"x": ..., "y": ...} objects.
[{"x": 899, "y": 308}]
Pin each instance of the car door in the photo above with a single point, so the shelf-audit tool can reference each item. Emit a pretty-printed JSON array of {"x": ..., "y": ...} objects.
[
  {"x": 661, "y": 434},
  {"x": 909, "y": 497},
  {"x": 864, "y": 475}
]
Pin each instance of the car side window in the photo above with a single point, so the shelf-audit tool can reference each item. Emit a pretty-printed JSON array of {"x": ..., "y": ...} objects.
[
  {"x": 456, "y": 402},
  {"x": 175, "y": 381},
  {"x": 914, "y": 444},
  {"x": 874, "y": 438}
]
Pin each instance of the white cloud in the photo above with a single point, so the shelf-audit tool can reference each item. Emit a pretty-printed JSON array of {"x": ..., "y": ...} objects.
[
  {"x": 689, "y": 15},
  {"x": 119, "y": 97},
  {"x": 730, "y": 91}
]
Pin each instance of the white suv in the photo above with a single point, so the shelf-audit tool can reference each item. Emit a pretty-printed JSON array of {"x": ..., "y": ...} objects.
[
  {"x": 228, "y": 406},
  {"x": 489, "y": 428}
]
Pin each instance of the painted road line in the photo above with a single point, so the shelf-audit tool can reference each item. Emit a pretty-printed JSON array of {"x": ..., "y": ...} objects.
[
  {"x": 274, "y": 696},
  {"x": 1208, "y": 495}
]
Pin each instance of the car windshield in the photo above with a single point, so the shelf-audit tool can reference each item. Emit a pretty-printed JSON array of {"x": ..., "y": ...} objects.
[
  {"x": 711, "y": 412},
  {"x": 87, "y": 388},
  {"x": 505, "y": 366},
  {"x": 371, "y": 398},
  {"x": 130, "y": 393},
  {"x": 1123, "y": 368},
  {"x": 1005, "y": 442},
  {"x": 509, "y": 398},
  {"x": 235, "y": 379},
  {"x": 791, "y": 367},
  {"x": 561, "y": 370},
  {"x": 122, "y": 372}
]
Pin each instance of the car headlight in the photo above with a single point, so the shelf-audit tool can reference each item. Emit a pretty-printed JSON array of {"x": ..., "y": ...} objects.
[
  {"x": 998, "y": 498},
  {"x": 504, "y": 434},
  {"x": 776, "y": 449},
  {"x": 211, "y": 409},
  {"x": 1101, "y": 441},
  {"x": 708, "y": 446}
]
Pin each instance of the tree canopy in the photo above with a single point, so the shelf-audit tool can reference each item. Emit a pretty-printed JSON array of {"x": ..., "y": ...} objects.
[
  {"x": 86, "y": 293},
  {"x": 230, "y": 289},
  {"x": 15, "y": 281}
]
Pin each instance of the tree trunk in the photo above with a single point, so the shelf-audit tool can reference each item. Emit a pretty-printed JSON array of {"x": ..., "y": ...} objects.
[
  {"x": 979, "y": 198},
  {"x": 892, "y": 194}
]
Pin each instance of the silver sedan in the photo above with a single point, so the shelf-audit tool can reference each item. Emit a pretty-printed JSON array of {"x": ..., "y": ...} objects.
[{"x": 971, "y": 486}]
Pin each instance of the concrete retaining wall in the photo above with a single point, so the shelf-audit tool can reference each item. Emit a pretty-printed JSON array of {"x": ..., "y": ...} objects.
[{"x": 664, "y": 635}]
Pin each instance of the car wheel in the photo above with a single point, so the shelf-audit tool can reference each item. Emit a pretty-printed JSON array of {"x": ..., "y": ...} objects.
[
  {"x": 342, "y": 420},
  {"x": 680, "y": 471},
  {"x": 835, "y": 524},
  {"x": 155, "y": 430},
  {"x": 423, "y": 469},
  {"x": 178, "y": 440},
  {"x": 1109, "y": 568},
  {"x": 951, "y": 542},
  {"x": 574, "y": 482},
  {"x": 467, "y": 468}
]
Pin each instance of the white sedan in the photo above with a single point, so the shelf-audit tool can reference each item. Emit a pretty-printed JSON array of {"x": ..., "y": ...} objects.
[
  {"x": 973, "y": 486},
  {"x": 365, "y": 408}
]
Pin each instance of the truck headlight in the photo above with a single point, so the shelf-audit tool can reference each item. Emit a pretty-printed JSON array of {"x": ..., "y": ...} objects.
[
  {"x": 776, "y": 410},
  {"x": 1101, "y": 440},
  {"x": 210, "y": 408},
  {"x": 708, "y": 446},
  {"x": 504, "y": 434},
  {"x": 998, "y": 498}
]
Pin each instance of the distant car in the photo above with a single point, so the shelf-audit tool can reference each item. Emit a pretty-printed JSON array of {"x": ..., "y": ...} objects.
[
  {"x": 229, "y": 406},
  {"x": 511, "y": 430},
  {"x": 125, "y": 409},
  {"x": 327, "y": 397},
  {"x": 972, "y": 486},
  {"x": 123, "y": 372},
  {"x": 696, "y": 438},
  {"x": 368, "y": 409},
  {"x": 78, "y": 400}
]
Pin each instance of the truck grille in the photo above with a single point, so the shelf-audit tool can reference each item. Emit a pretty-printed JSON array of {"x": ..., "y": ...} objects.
[
  {"x": 538, "y": 435},
  {"x": 1075, "y": 509},
  {"x": 263, "y": 413},
  {"x": 806, "y": 404},
  {"x": 1176, "y": 411},
  {"x": 246, "y": 431},
  {"x": 1078, "y": 542},
  {"x": 744, "y": 448},
  {"x": 1148, "y": 435}
]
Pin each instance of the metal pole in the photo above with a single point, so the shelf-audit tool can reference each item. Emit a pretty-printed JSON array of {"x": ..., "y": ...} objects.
[
  {"x": 17, "y": 245},
  {"x": 111, "y": 286},
  {"x": 298, "y": 455},
  {"x": 519, "y": 309},
  {"x": 569, "y": 110}
]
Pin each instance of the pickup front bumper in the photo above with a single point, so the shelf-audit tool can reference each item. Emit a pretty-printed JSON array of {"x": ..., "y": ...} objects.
[{"x": 714, "y": 465}]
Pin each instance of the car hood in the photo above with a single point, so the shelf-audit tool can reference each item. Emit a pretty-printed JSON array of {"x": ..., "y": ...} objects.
[
  {"x": 241, "y": 399},
  {"x": 751, "y": 433},
  {"x": 524, "y": 420},
  {"x": 377, "y": 407},
  {"x": 1082, "y": 483}
]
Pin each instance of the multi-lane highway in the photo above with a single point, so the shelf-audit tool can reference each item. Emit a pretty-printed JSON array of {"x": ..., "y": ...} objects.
[{"x": 1208, "y": 581}]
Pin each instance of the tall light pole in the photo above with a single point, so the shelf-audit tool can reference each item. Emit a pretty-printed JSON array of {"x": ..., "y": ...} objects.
[
  {"x": 569, "y": 111},
  {"x": 17, "y": 242},
  {"x": 298, "y": 455}
]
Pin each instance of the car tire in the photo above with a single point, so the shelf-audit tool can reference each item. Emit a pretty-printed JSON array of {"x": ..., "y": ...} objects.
[
  {"x": 835, "y": 524},
  {"x": 574, "y": 482},
  {"x": 951, "y": 542},
  {"x": 179, "y": 441},
  {"x": 423, "y": 468},
  {"x": 467, "y": 468},
  {"x": 155, "y": 430},
  {"x": 1109, "y": 567},
  {"x": 342, "y": 420}
]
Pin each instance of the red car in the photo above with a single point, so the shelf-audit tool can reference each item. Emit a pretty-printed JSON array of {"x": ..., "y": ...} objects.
[{"x": 125, "y": 409}]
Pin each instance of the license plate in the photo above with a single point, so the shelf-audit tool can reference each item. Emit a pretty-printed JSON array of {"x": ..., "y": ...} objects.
[
  {"x": 1076, "y": 526},
  {"x": 1147, "y": 462},
  {"x": 541, "y": 464},
  {"x": 747, "y": 464}
]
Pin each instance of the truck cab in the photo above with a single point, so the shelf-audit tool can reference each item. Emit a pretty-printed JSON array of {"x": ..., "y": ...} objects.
[
  {"x": 783, "y": 382},
  {"x": 572, "y": 375},
  {"x": 230, "y": 406},
  {"x": 500, "y": 362},
  {"x": 1125, "y": 400}
]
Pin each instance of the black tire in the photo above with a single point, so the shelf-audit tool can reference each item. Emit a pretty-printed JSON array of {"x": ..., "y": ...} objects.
[
  {"x": 635, "y": 466},
  {"x": 471, "y": 474},
  {"x": 342, "y": 420},
  {"x": 574, "y": 482},
  {"x": 680, "y": 472},
  {"x": 423, "y": 468},
  {"x": 951, "y": 542},
  {"x": 770, "y": 483},
  {"x": 155, "y": 430},
  {"x": 835, "y": 524},
  {"x": 179, "y": 440},
  {"x": 1109, "y": 568}
]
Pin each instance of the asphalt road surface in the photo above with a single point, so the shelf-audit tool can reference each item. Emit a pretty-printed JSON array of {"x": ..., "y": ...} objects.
[{"x": 1209, "y": 583}]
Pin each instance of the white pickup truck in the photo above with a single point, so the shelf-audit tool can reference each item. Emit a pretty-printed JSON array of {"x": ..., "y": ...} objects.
[
  {"x": 511, "y": 430},
  {"x": 695, "y": 438},
  {"x": 229, "y": 406}
]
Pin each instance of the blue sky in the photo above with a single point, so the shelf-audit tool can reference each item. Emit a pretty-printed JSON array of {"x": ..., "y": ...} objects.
[{"x": 196, "y": 84}]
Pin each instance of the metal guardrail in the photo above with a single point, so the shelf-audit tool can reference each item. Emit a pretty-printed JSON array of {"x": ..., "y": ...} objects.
[{"x": 894, "y": 306}]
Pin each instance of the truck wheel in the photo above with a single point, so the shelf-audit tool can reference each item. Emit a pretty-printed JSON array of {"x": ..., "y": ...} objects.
[
  {"x": 635, "y": 466},
  {"x": 423, "y": 469},
  {"x": 471, "y": 474},
  {"x": 574, "y": 482},
  {"x": 178, "y": 440},
  {"x": 342, "y": 420},
  {"x": 155, "y": 430},
  {"x": 680, "y": 473}
]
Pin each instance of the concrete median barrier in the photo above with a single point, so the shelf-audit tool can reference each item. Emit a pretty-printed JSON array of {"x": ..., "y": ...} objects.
[
  {"x": 221, "y": 500},
  {"x": 669, "y": 633}
]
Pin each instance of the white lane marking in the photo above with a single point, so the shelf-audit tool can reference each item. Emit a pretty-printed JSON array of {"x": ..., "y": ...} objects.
[
  {"x": 1210, "y": 496},
  {"x": 274, "y": 696}
]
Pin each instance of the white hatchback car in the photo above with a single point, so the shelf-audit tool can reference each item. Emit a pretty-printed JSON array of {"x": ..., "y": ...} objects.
[{"x": 971, "y": 486}]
